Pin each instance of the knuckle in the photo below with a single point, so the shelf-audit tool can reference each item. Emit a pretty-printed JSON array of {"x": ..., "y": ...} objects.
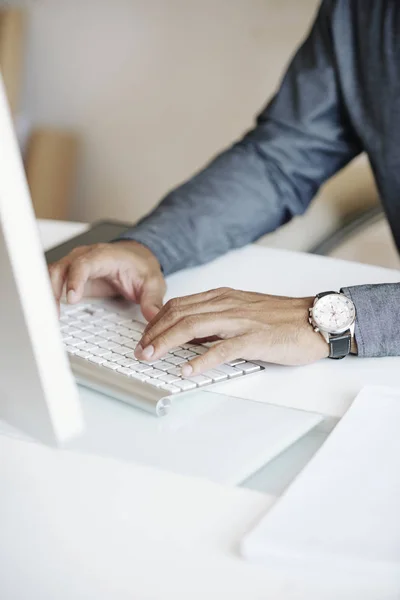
[
  {"x": 173, "y": 304},
  {"x": 225, "y": 290},
  {"x": 162, "y": 341},
  {"x": 190, "y": 324},
  {"x": 222, "y": 352},
  {"x": 174, "y": 314}
]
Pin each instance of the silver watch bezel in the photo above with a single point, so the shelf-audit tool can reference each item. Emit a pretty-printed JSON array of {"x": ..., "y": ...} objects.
[{"x": 318, "y": 327}]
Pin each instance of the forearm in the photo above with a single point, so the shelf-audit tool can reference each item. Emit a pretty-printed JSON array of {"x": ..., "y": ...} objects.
[
  {"x": 235, "y": 200},
  {"x": 377, "y": 330},
  {"x": 301, "y": 138}
]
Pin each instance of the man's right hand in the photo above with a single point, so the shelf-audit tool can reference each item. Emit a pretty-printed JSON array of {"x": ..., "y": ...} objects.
[{"x": 124, "y": 268}]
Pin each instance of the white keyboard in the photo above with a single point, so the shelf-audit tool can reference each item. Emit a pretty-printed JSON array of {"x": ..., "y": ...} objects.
[{"x": 101, "y": 343}]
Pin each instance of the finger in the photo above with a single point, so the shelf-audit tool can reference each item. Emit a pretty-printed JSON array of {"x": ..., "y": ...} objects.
[
  {"x": 218, "y": 354},
  {"x": 78, "y": 274},
  {"x": 57, "y": 274},
  {"x": 186, "y": 329},
  {"x": 151, "y": 297},
  {"x": 184, "y": 302},
  {"x": 177, "y": 308}
]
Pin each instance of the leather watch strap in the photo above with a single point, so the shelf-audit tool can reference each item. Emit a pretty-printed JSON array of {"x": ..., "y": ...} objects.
[{"x": 339, "y": 345}]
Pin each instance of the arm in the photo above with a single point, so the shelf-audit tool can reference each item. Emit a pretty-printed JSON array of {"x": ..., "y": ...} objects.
[{"x": 300, "y": 139}]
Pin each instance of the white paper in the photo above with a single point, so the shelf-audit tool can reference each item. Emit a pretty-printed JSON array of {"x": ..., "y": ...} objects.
[{"x": 342, "y": 514}]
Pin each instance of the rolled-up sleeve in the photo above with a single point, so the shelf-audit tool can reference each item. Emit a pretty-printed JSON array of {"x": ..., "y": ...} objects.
[
  {"x": 377, "y": 330},
  {"x": 301, "y": 138}
]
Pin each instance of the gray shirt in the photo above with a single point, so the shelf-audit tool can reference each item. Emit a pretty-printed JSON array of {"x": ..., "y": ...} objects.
[{"x": 339, "y": 97}]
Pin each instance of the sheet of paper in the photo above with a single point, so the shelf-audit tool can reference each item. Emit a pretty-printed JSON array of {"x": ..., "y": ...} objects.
[{"x": 341, "y": 516}]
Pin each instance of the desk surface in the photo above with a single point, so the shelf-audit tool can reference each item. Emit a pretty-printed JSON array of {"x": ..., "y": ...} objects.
[{"x": 185, "y": 532}]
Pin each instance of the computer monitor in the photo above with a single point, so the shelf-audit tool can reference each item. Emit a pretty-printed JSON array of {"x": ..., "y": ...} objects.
[{"x": 37, "y": 391}]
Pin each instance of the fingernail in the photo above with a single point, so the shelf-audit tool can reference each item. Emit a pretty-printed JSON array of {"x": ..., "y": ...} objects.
[
  {"x": 148, "y": 352},
  {"x": 71, "y": 296},
  {"x": 187, "y": 370}
]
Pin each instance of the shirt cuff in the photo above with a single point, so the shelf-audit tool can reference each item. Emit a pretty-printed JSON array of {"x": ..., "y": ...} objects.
[
  {"x": 377, "y": 328},
  {"x": 158, "y": 244}
]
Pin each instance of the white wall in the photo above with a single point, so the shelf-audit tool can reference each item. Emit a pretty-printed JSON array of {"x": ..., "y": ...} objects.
[{"x": 154, "y": 88}]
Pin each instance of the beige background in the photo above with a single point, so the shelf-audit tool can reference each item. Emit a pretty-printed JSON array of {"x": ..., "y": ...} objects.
[{"x": 155, "y": 88}]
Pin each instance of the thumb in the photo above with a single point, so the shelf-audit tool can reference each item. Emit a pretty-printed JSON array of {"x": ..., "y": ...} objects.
[{"x": 151, "y": 297}]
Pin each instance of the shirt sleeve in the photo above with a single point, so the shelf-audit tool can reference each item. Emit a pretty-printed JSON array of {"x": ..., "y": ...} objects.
[
  {"x": 300, "y": 139},
  {"x": 377, "y": 331}
]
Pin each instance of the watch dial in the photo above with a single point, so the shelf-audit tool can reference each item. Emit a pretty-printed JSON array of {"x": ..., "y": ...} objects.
[{"x": 334, "y": 313}]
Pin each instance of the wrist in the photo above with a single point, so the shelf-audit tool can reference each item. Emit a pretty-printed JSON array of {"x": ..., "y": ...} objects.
[
  {"x": 353, "y": 347},
  {"x": 140, "y": 249}
]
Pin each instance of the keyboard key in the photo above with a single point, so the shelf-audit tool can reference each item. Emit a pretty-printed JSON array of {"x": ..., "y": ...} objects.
[
  {"x": 162, "y": 366},
  {"x": 114, "y": 357},
  {"x": 83, "y": 316},
  {"x": 142, "y": 368},
  {"x": 67, "y": 339},
  {"x": 84, "y": 335},
  {"x": 215, "y": 375},
  {"x": 138, "y": 326},
  {"x": 234, "y": 363},
  {"x": 140, "y": 376},
  {"x": 126, "y": 362},
  {"x": 131, "y": 344},
  {"x": 98, "y": 360},
  {"x": 109, "y": 325},
  {"x": 122, "y": 350},
  {"x": 155, "y": 382},
  {"x": 185, "y": 354},
  {"x": 95, "y": 330},
  {"x": 120, "y": 339},
  {"x": 88, "y": 346},
  {"x": 83, "y": 354},
  {"x": 134, "y": 335},
  {"x": 125, "y": 371},
  {"x": 198, "y": 349},
  {"x": 249, "y": 367},
  {"x": 73, "y": 350},
  {"x": 175, "y": 371},
  {"x": 184, "y": 385},
  {"x": 110, "y": 365},
  {"x": 167, "y": 378},
  {"x": 174, "y": 360},
  {"x": 74, "y": 322},
  {"x": 100, "y": 352},
  {"x": 77, "y": 342},
  {"x": 123, "y": 331},
  {"x": 115, "y": 318},
  {"x": 155, "y": 373},
  {"x": 173, "y": 389},
  {"x": 230, "y": 371},
  {"x": 199, "y": 380},
  {"x": 107, "y": 344},
  {"x": 70, "y": 330}
]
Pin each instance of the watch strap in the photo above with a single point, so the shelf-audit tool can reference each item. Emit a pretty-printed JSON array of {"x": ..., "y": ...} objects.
[
  {"x": 322, "y": 294},
  {"x": 339, "y": 345}
]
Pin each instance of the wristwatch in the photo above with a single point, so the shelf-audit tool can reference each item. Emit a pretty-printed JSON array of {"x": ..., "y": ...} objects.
[{"x": 333, "y": 315}]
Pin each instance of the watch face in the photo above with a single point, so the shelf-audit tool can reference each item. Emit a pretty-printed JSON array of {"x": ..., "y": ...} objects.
[{"x": 333, "y": 313}]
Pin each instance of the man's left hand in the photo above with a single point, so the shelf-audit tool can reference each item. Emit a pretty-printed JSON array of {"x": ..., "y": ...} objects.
[{"x": 244, "y": 325}]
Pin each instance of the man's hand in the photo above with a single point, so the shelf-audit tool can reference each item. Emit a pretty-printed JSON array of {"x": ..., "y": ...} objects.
[
  {"x": 246, "y": 324},
  {"x": 125, "y": 268}
]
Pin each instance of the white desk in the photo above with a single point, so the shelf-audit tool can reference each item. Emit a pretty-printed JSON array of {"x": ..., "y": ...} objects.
[{"x": 179, "y": 535}]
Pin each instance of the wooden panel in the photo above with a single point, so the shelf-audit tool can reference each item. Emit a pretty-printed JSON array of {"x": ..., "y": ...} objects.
[
  {"x": 50, "y": 168},
  {"x": 11, "y": 50}
]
